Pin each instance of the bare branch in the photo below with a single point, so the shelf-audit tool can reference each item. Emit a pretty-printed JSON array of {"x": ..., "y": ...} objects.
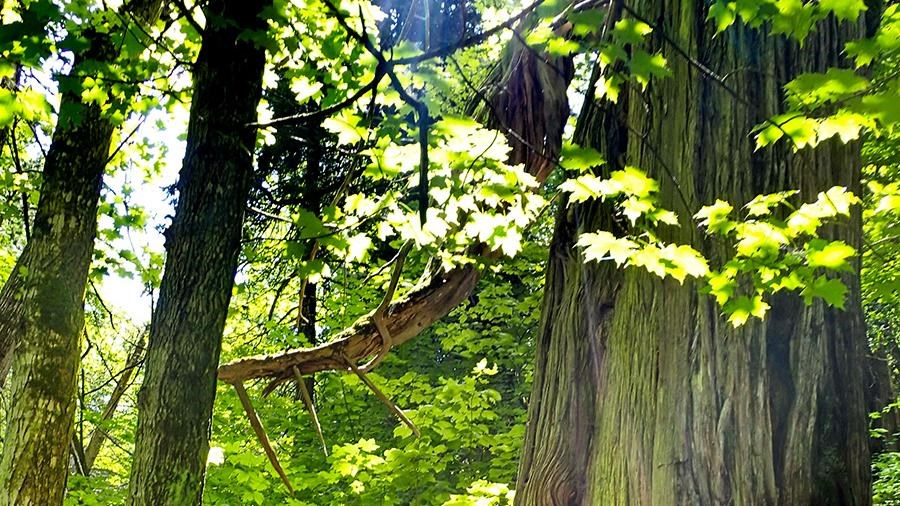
[
  {"x": 261, "y": 433},
  {"x": 383, "y": 398},
  {"x": 307, "y": 399}
]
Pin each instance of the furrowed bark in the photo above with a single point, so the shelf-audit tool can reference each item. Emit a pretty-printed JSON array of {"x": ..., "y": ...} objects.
[
  {"x": 50, "y": 295},
  {"x": 66, "y": 138},
  {"x": 524, "y": 96},
  {"x": 11, "y": 312},
  {"x": 681, "y": 407},
  {"x": 575, "y": 318},
  {"x": 176, "y": 399}
]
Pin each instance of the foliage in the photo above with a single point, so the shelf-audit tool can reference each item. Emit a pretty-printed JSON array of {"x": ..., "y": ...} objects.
[{"x": 465, "y": 381}]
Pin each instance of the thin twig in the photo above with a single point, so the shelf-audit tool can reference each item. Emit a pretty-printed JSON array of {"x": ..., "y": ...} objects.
[
  {"x": 186, "y": 14},
  {"x": 328, "y": 111},
  {"x": 269, "y": 215}
]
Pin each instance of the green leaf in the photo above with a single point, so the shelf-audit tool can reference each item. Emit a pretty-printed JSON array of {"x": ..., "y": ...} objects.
[
  {"x": 582, "y": 188},
  {"x": 741, "y": 309},
  {"x": 757, "y": 239},
  {"x": 844, "y": 10},
  {"x": 645, "y": 66},
  {"x": 367, "y": 445},
  {"x": 608, "y": 87},
  {"x": 882, "y": 107},
  {"x": 686, "y": 261},
  {"x": 650, "y": 257},
  {"x": 358, "y": 247},
  {"x": 587, "y": 22},
  {"x": 863, "y": 51},
  {"x": 540, "y": 36},
  {"x": 762, "y": 204},
  {"x": 596, "y": 246},
  {"x": 345, "y": 126},
  {"x": 794, "y": 19},
  {"x": 631, "y": 31},
  {"x": 846, "y": 126},
  {"x": 580, "y": 158},
  {"x": 634, "y": 207},
  {"x": 800, "y": 129},
  {"x": 723, "y": 13},
  {"x": 816, "y": 89},
  {"x": 633, "y": 181},
  {"x": 832, "y": 291},
  {"x": 664, "y": 216},
  {"x": 833, "y": 255},
  {"x": 715, "y": 217},
  {"x": 560, "y": 46},
  {"x": 722, "y": 286}
]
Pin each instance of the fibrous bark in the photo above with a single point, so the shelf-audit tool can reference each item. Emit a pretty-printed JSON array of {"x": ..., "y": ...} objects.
[
  {"x": 643, "y": 393},
  {"x": 47, "y": 292},
  {"x": 176, "y": 400}
]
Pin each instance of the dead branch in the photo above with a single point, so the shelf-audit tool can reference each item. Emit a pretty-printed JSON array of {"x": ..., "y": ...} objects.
[
  {"x": 261, "y": 433},
  {"x": 378, "y": 315},
  {"x": 307, "y": 399},
  {"x": 135, "y": 358},
  {"x": 427, "y": 303},
  {"x": 383, "y": 398}
]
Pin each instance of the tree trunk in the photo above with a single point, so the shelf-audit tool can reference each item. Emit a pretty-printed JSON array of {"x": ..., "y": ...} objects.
[
  {"x": 176, "y": 399},
  {"x": 78, "y": 145},
  {"x": 11, "y": 322},
  {"x": 643, "y": 393},
  {"x": 48, "y": 295},
  {"x": 33, "y": 466}
]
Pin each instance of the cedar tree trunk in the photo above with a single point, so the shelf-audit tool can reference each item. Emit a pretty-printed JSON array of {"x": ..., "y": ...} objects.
[{"x": 643, "y": 392}]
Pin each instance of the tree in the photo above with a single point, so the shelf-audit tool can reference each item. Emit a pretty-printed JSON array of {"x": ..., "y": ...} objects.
[
  {"x": 176, "y": 398},
  {"x": 642, "y": 393},
  {"x": 53, "y": 272}
]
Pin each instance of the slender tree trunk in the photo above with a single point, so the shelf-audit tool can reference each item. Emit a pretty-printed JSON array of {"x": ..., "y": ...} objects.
[
  {"x": 12, "y": 324},
  {"x": 643, "y": 393},
  {"x": 132, "y": 363},
  {"x": 176, "y": 399},
  {"x": 10, "y": 294},
  {"x": 71, "y": 146},
  {"x": 33, "y": 464}
]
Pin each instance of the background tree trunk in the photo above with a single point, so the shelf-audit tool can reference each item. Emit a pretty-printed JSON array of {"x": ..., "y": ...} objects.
[
  {"x": 643, "y": 393},
  {"x": 176, "y": 399},
  {"x": 99, "y": 435}
]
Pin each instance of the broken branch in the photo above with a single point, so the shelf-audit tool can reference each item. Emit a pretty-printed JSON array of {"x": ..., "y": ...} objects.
[
  {"x": 307, "y": 399},
  {"x": 383, "y": 398},
  {"x": 261, "y": 433}
]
